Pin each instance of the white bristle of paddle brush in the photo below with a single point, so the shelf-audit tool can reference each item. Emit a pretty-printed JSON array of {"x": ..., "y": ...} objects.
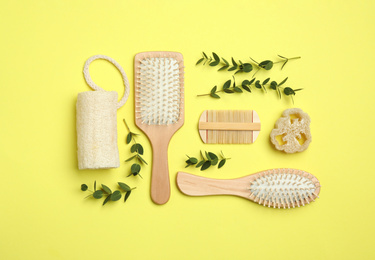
[
  {"x": 284, "y": 188},
  {"x": 159, "y": 90}
]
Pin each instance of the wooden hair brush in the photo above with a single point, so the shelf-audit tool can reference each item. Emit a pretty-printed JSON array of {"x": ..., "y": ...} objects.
[{"x": 277, "y": 188}]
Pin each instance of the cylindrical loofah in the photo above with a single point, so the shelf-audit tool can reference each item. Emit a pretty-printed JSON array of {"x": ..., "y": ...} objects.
[
  {"x": 97, "y": 130},
  {"x": 97, "y": 122}
]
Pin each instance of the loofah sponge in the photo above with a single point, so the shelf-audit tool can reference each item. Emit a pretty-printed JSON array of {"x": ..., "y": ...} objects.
[
  {"x": 97, "y": 122},
  {"x": 294, "y": 129}
]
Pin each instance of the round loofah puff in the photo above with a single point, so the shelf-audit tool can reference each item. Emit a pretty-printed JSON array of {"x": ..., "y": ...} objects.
[{"x": 292, "y": 127}]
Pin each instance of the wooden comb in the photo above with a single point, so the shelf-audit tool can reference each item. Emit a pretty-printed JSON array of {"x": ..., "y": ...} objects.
[{"x": 229, "y": 126}]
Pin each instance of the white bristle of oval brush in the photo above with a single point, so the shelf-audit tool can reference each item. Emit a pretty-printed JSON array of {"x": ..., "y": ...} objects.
[
  {"x": 159, "y": 87},
  {"x": 283, "y": 188}
]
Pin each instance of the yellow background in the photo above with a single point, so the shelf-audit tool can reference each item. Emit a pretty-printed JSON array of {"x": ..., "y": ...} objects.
[{"x": 44, "y": 44}]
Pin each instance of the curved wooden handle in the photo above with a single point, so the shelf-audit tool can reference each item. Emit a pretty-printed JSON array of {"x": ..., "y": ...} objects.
[
  {"x": 201, "y": 186},
  {"x": 160, "y": 184}
]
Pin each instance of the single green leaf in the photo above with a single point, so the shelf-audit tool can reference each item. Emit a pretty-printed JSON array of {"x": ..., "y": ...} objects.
[
  {"x": 226, "y": 62},
  {"x": 214, "y": 95},
  {"x": 98, "y": 194},
  {"x": 94, "y": 185},
  {"x": 135, "y": 169},
  {"x": 127, "y": 194},
  {"x": 84, "y": 187},
  {"x": 247, "y": 67},
  {"x": 131, "y": 158},
  {"x": 213, "y": 90},
  {"x": 251, "y": 81},
  {"x": 246, "y": 88},
  {"x": 133, "y": 148},
  {"x": 204, "y": 54},
  {"x": 216, "y": 57},
  {"x": 129, "y": 138},
  {"x": 229, "y": 91},
  {"x": 208, "y": 156},
  {"x": 205, "y": 165},
  {"x": 124, "y": 186},
  {"x": 107, "y": 199},
  {"x": 266, "y": 81},
  {"x": 106, "y": 189},
  {"x": 193, "y": 160},
  {"x": 223, "y": 68},
  {"x": 234, "y": 63},
  {"x": 298, "y": 89},
  {"x": 245, "y": 82},
  {"x": 141, "y": 159},
  {"x": 222, "y": 162},
  {"x": 237, "y": 89},
  {"x": 116, "y": 195},
  {"x": 199, "y": 164},
  {"x": 214, "y": 63},
  {"x": 199, "y": 61},
  {"x": 227, "y": 84},
  {"x": 288, "y": 91},
  {"x": 232, "y": 68},
  {"x": 273, "y": 85},
  {"x": 267, "y": 64},
  {"x": 257, "y": 84},
  {"x": 282, "y": 82},
  {"x": 214, "y": 161},
  {"x": 212, "y": 156}
]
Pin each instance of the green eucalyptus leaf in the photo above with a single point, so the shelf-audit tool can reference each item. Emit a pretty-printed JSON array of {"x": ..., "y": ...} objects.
[
  {"x": 199, "y": 164},
  {"x": 116, "y": 195},
  {"x": 298, "y": 89},
  {"x": 273, "y": 85},
  {"x": 267, "y": 64},
  {"x": 234, "y": 63},
  {"x": 212, "y": 155},
  {"x": 288, "y": 91},
  {"x": 227, "y": 84},
  {"x": 223, "y": 68},
  {"x": 208, "y": 156},
  {"x": 282, "y": 82},
  {"x": 107, "y": 199},
  {"x": 98, "y": 194},
  {"x": 133, "y": 148},
  {"x": 204, "y": 54},
  {"x": 246, "y": 88},
  {"x": 257, "y": 84},
  {"x": 141, "y": 159},
  {"x": 214, "y": 63},
  {"x": 106, "y": 189},
  {"x": 206, "y": 165},
  {"x": 94, "y": 185},
  {"x": 199, "y": 61},
  {"x": 214, "y": 95},
  {"x": 216, "y": 57},
  {"x": 193, "y": 160},
  {"x": 135, "y": 169},
  {"x": 266, "y": 81},
  {"x": 232, "y": 68},
  {"x": 222, "y": 162},
  {"x": 127, "y": 194},
  {"x": 124, "y": 186},
  {"x": 129, "y": 138},
  {"x": 131, "y": 158},
  {"x": 247, "y": 67},
  {"x": 251, "y": 81},
  {"x": 229, "y": 91},
  {"x": 237, "y": 89},
  {"x": 245, "y": 82},
  {"x": 225, "y": 61},
  {"x": 84, "y": 187},
  {"x": 213, "y": 90}
]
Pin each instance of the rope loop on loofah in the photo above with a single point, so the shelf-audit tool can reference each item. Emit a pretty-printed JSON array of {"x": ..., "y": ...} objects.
[{"x": 96, "y": 87}]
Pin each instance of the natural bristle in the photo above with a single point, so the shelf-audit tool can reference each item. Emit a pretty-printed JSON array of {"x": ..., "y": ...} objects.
[
  {"x": 283, "y": 188},
  {"x": 158, "y": 86}
]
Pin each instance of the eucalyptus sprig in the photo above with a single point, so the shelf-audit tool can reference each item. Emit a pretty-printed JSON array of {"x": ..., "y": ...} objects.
[
  {"x": 106, "y": 192},
  {"x": 239, "y": 66},
  {"x": 207, "y": 161},
  {"x": 247, "y": 85},
  {"x": 136, "y": 148}
]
